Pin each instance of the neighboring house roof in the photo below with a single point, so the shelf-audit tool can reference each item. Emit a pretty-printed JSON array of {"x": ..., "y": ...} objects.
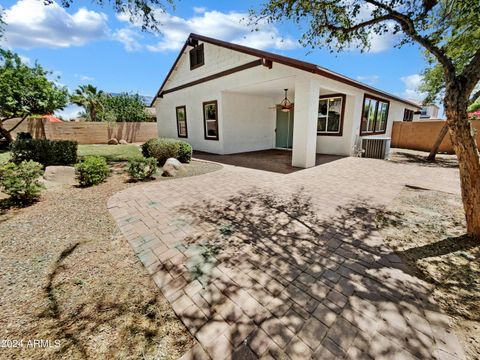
[
  {"x": 474, "y": 115},
  {"x": 52, "y": 118},
  {"x": 275, "y": 58}
]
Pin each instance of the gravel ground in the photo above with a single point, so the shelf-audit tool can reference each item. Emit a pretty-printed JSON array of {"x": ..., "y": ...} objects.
[
  {"x": 426, "y": 228},
  {"x": 67, "y": 275}
]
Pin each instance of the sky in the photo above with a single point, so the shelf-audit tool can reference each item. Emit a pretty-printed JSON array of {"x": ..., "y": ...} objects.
[{"x": 89, "y": 44}]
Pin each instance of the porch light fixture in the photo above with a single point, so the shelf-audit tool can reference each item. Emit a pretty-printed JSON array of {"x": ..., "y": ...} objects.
[{"x": 286, "y": 105}]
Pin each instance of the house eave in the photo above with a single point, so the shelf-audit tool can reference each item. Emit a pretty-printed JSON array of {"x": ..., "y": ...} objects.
[{"x": 275, "y": 58}]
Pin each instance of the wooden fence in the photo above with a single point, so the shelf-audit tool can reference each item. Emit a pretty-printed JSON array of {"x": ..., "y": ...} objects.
[
  {"x": 86, "y": 132},
  {"x": 421, "y": 135}
]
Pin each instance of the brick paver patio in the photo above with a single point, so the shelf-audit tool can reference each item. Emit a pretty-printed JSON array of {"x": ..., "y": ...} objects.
[{"x": 265, "y": 265}]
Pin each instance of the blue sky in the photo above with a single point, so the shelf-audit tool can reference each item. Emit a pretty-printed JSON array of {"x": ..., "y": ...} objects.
[{"x": 91, "y": 44}]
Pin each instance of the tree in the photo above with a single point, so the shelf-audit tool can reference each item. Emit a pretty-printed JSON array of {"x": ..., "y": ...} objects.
[
  {"x": 474, "y": 106},
  {"x": 123, "y": 107},
  {"x": 90, "y": 98},
  {"x": 437, "y": 26},
  {"x": 145, "y": 12},
  {"x": 433, "y": 80},
  {"x": 25, "y": 91}
]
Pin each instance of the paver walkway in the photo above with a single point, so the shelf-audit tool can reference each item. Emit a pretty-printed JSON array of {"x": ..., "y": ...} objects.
[{"x": 265, "y": 265}]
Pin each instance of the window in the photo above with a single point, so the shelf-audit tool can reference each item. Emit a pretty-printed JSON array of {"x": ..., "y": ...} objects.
[
  {"x": 408, "y": 115},
  {"x": 182, "y": 121},
  {"x": 210, "y": 120},
  {"x": 330, "y": 114},
  {"x": 375, "y": 116},
  {"x": 197, "y": 57}
]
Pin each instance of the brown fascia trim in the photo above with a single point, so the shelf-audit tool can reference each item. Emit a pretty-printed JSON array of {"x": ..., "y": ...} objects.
[
  {"x": 271, "y": 58},
  {"x": 214, "y": 76}
]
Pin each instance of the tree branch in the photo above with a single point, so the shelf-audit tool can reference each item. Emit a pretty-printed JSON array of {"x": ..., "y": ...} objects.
[
  {"x": 474, "y": 97},
  {"x": 408, "y": 28},
  {"x": 23, "y": 118},
  {"x": 471, "y": 73},
  {"x": 357, "y": 26}
]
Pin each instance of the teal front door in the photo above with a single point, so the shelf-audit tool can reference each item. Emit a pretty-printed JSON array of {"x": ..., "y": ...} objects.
[{"x": 284, "y": 129}]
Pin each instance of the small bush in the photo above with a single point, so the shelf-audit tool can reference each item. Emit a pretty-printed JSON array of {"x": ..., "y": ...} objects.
[
  {"x": 92, "y": 170},
  {"x": 184, "y": 152},
  {"x": 164, "y": 148},
  {"x": 20, "y": 181},
  {"x": 46, "y": 152},
  {"x": 142, "y": 169},
  {"x": 145, "y": 148},
  {"x": 24, "y": 136},
  {"x": 161, "y": 149}
]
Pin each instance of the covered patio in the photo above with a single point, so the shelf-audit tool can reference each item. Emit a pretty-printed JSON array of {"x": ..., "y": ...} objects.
[
  {"x": 256, "y": 121},
  {"x": 273, "y": 160}
]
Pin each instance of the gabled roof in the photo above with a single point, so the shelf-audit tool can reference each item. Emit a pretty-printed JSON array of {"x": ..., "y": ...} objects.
[{"x": 280, "y": 59}]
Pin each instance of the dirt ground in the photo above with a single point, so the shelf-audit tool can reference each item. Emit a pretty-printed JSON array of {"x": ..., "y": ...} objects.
[
  {"x": 68, "y": 277},
  {"x": 426, "y": 228}
]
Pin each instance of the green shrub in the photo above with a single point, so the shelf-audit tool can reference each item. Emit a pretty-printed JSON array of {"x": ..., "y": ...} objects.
[
  {"x": 142, "y": 169},
  {"x": 24, "y": 136},
  {"x": 20, "y": 181},
  {"x": 145, "y": 147},
  {"x": 92, "y": 170},
  {"x": 46, "y": 152},
  {"x": 164, "y": 148},
  {"x": 161, "y": 149},
  {"x": 184, "y": 152}
]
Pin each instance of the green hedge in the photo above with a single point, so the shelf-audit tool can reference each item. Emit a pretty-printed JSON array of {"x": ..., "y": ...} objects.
[
  {"x": 164, "y": 148},
  {"x": 46, "y": 152}
]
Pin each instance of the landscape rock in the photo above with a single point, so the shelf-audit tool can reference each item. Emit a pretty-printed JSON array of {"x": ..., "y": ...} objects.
[
  {"x": 112, "y": 141},
  {"x": 60, "y": 175},
  {"x": 123, "y": 142},
  {"x": 172, "y": 167}
]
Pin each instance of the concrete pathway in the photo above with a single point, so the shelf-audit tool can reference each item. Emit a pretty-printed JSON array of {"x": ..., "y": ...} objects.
[{"x": 265, "y": 265}]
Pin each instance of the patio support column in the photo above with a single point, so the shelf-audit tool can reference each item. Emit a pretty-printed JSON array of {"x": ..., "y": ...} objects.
[{"x": 307, "y": 91}]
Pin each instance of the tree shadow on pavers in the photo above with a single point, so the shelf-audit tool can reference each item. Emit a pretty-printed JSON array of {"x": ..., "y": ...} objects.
[
  {"x": 286, "y": 281},
  {"x": 442, "y": 161}
]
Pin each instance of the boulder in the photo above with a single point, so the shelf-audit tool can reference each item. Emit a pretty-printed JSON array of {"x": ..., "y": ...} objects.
[
  {"x": 112, "y": 141},
  {"x": 123, "y": 142},
  {"x": 172, "y": 167},
  {"x": 60, "y": 175}
]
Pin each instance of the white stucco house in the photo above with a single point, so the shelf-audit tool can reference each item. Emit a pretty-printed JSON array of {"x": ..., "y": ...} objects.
[{"x": 225, "y": 98}]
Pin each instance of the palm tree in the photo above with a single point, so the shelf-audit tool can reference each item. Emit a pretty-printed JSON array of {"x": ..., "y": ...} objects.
[{"x": 90, "y": 98}]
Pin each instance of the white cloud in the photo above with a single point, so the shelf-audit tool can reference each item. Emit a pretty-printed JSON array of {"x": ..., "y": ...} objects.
[
  {"x": 70, "y": 112},
  {"x": 378, "y": 42},
  {"x": 199, "y": 10},
  {"x": 25, "y": 59},
  {"x": 368, "y": 79},
  {"x": 84, "y": 78},
  {"x": 129, "y": 37},
  {"x": 231, "y": 26},
  {"x": 31, "y": 24},
  {"x": 411, "y": 91}
]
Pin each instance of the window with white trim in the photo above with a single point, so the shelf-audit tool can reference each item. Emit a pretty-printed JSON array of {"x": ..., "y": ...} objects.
[{"x": 210, "y": 120}]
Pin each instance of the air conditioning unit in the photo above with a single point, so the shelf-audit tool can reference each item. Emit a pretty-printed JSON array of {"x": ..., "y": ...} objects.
[{"x": 376, "y": 147}]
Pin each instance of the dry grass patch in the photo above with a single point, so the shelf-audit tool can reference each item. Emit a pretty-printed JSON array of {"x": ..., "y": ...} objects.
[{"x": 67, "y": 273}]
